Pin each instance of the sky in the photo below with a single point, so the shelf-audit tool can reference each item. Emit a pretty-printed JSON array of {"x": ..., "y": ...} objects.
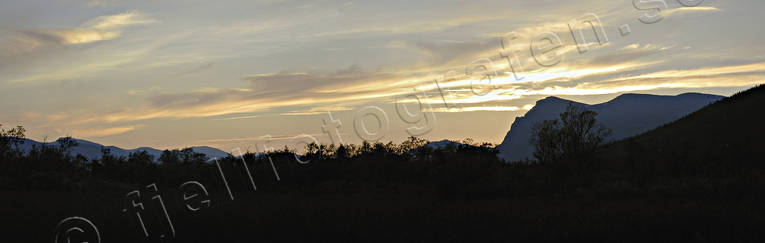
[{"x": 255, "y": 74}]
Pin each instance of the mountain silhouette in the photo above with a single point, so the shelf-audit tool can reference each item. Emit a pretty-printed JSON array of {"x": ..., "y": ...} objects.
[
  {"x": 726, "y": 134},
  {"x": 627, "y": 115},
  {"x": 443, "y": 144},
  {"x": 93, "y": 151}
]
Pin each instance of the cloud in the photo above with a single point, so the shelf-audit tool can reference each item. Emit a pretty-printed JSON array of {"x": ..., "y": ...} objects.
[
  {"x": 317, "y": 110},
  {"x": 238, "y": 118},
  {"x": 263, "y": 93},
  {"x": 326, "y": 91},
  {"x": 705, "y": 77},
  {"x": 70, "y": 37},
  {"x": 475, "y": 108},
  {"x": 103, "y": 132},
  {"x": 82, "y": 68},
  {"x": 752, "y": 68},
  {"x": 687, "y": 10},
  {"x": 263, "y": 138},
  {"x": 444, "y": 52},
  {"x": 417, "y": 27},
  {"x": 98, "y": 29},
  {"x": 627, "y": 54},
  {"x": 92, "y": 3}
]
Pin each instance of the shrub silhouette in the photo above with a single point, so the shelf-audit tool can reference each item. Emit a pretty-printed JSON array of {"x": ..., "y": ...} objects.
[
  {"x": 10, "y": 139},
  {"x": 570, "y": 139}
]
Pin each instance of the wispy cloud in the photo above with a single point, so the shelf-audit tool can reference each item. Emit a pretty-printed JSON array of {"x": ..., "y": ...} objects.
[
  {"x": 98, "y": 29},
  {"x": 103, "y": 132},
  {"x": 238, "y": 118},
  {"x": 687, "y": 10},
  {"x": 81, "y": 69},
  {"x": 317, "y": 110},
  {"x": 417, "y": 27},
  {"x": 259, "y": 138},
  {"x": 478, "y": 108}
]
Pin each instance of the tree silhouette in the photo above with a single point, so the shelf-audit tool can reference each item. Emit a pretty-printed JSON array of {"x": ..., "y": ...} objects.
[
  {"x": 573, "y": 136},
  {"x": 10, "y": 139}
]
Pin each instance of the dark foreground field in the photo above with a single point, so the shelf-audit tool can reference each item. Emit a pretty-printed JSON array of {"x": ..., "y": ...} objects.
[{"x": 383, "y": 217}]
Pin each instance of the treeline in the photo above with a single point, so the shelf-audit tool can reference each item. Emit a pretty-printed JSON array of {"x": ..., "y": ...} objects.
[{"x": 411, "y": 165}]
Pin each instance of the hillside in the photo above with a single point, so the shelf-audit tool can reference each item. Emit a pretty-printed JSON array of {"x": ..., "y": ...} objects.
[
  {"x": 723, "y": 137},
  {"x": 627, "y": 115}
]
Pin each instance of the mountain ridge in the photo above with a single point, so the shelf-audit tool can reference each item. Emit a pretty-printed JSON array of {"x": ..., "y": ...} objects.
[
  {"x": 627, "y": 114},
  {"x": 723, "y": 137},
  {"x": 92, "y": 150}
]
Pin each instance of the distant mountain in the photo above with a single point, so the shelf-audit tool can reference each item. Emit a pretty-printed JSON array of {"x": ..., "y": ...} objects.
[
  {"x": 92, "y": 150},
  {"x": 627, "y": 115},
  {"x": 442, "y": 144},
  {"x": 724, "y": 137}
]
